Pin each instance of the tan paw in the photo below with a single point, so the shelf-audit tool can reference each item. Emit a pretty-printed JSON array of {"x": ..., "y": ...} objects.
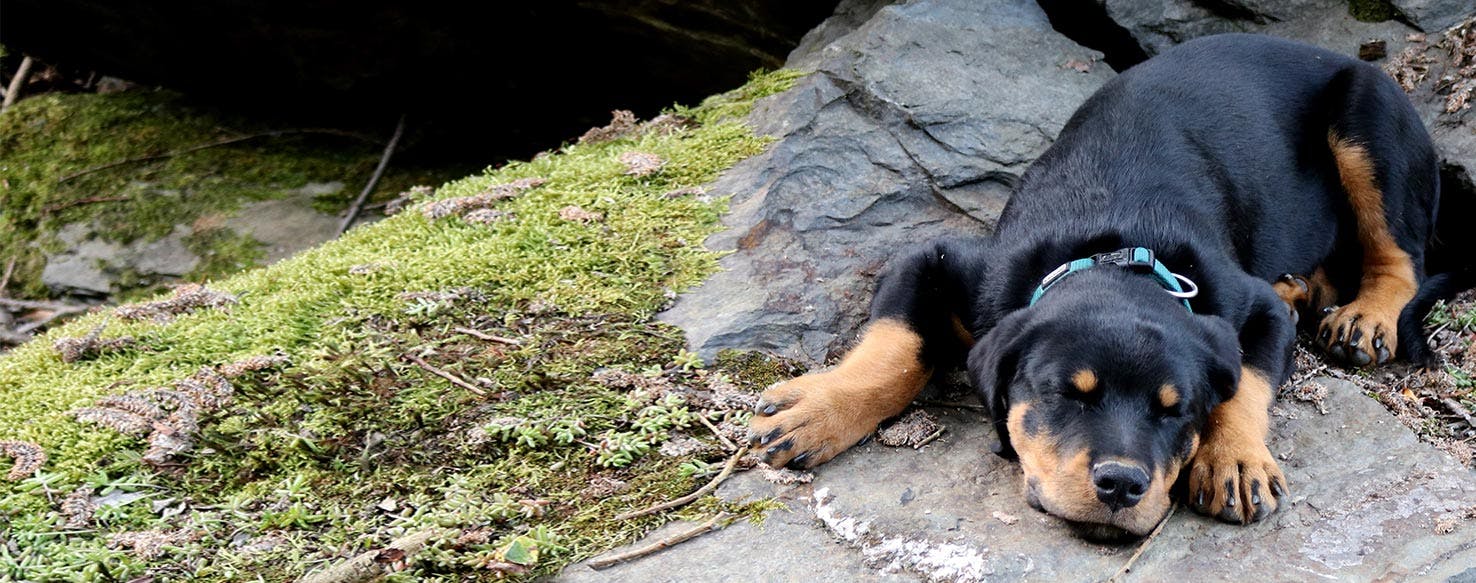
[
  {"x": 1235, "y": 482},
  {"x": 1295, "y": 291},
  {"x": 806, "y": 421},
  {"x": 1361, "y": 333}
]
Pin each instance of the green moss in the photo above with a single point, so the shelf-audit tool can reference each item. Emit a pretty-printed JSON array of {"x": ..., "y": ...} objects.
[
  {"x": 1372, "y": 10},
  {"x": 54, "y": 147},
  {"x": 354, "y": 443}
]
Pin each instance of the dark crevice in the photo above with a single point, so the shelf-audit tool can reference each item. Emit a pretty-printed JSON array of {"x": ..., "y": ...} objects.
[{"x": 1086, "y": 22}]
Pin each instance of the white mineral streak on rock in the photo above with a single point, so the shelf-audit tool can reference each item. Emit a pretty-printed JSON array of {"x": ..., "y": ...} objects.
[{"x": 934, "y": 560}]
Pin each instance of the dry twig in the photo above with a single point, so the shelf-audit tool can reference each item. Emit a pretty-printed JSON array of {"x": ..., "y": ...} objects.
[
  {"x": 1128, "y": 567},
  {"x": 205, "y": 146},
  {"x": 455, "y": 380},
  {"x": 52, "y": 209},
  {"x": 684, "y": 500},
  {"x": 487, "y": 337},
  {"x": 723, "y": 438},
  {"x": 389, "y": 150},
  {"x": 13, "y": 93},
  {"x": 376, "y": 563},
  {"x": 5, "y": 279},
  {"x": 668, "y": 542}
]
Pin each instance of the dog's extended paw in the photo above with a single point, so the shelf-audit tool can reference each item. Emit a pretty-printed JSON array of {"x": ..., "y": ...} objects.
[
  {"x": 1361, "y": 333},
  {"x": 806, "y": 421},
  {"x": 1235, "y": 481}
]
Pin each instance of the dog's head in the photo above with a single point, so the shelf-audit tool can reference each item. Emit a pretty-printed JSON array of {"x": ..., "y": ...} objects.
[{"x": 1101, "y": 391}]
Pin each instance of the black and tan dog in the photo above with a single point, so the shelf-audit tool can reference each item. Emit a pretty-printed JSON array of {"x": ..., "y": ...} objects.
[{"x": 1130, "y": 319}]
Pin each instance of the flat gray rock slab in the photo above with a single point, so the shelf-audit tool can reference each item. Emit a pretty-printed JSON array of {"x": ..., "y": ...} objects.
[
  {"x": 1369, "y": 502},
  {"x": 915, "y": 125}
]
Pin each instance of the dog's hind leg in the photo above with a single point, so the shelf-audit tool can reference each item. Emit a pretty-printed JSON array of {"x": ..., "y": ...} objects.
[
  {"x": 1388, "y": 172},
  {"x": 1305, "y": 294},
  {"x": 918, "y": 325}
]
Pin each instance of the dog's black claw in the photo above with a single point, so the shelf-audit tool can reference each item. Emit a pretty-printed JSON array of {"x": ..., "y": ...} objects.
[
  {"x": 1357, "y": 335},
  {"x": 1325, "y": 335},
  {"x": 1277, "y": 490},
  {"x": 1200, "y": 503},
  {"x": 865, "y": 440},
  {"x": 1383, "y": 355},
  {"x": 1378, "y": 342},
  {"x": 766, "y": 408},
  {"x": 782, "y": 446},
  {"x": 1328, "y": 310},
  {"x": 769, "y": 437},
  {"x": 1228, "y": 513},
  {"x": 798, "y": 463}
]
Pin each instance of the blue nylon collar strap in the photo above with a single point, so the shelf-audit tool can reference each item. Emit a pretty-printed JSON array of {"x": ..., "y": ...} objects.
[{"x": 1139, "y": 259}]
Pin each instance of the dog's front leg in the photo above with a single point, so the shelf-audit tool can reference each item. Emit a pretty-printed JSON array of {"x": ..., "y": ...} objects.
[
  {"x": 919, "y": 323},
  {"x": 1233, "y": 475}
]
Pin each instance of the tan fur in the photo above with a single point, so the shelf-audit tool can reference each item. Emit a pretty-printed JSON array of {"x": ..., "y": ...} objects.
[
  {"x": 1168, "y": 396},
  {"x": 1063, "y": 481},
  {"x": 1318, "y": 294},
  {"x": 1084, "y": 380},
  {"x": 1233, "y": 448},
  {"x": 962, "y": 332},
  {"x": 830, "y": 411},
  {"x": 1388, "y": 281}
]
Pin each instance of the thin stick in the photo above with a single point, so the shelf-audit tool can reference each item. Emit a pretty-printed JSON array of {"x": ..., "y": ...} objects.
[
  {"x": 487, "y": 337},
  {"x": 29, "y": 327},
  {"x": 373, "y": 564},
  {"x": 55, "y": 208},
  {"x": 13, "y": 93},
  {"x": 206, "y": 146},
  {"x": 455, "y": 380},
  {"x": 1143, "y": 547},
  {"x": 389, "y": 149},
  {"x": 929, "y": 439},
  {"x": 5, "y": 279},
  {"x": 1458, "y": 409},
  {"x": 726, "y": 442},
  {"x": 35, "y": 305},
  {"x": 954, "y": 404},
  {"x": 684, "y": 500},
  {"x": 668, "y": 542}
]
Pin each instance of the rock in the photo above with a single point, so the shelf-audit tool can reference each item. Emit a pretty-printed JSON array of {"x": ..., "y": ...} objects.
[
  {"x": 914, "y": 125},
  {"x": 91, "y": 265},
  {"x": 330, "y": 64},
  {"x": 1159, "y": 24},
  {"x": 1366, "y": 498},
  {"x": 1454, "y": 132},
  {"x": 1434, "y": 15},
  {"x": 287, "y": 225}
]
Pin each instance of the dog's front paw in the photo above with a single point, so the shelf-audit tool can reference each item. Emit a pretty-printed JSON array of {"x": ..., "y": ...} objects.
[
  {"x": 1235, "y": 480},
  {"x": 806, "y": 421}
]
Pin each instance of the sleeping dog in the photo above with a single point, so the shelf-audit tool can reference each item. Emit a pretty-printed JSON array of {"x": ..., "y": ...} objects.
[{"x": 1130, "y": 319}]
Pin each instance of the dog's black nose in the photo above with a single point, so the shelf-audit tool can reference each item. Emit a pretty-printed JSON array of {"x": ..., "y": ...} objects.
[{"x": 1119, "y": 485}]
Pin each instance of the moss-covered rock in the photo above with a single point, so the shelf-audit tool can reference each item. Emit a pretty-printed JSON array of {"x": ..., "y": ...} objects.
[
  {"x": 107, "y": 193},
  {"x": 440, "y": 372}
]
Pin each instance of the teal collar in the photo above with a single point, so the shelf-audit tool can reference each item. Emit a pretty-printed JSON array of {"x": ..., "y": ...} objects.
[{"x": 1138, "y": 259}]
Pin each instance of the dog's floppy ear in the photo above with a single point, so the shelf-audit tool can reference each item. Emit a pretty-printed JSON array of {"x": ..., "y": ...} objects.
[
  {"x": 992, "y": 367},
  {"x": 1220, "y": 355}
]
